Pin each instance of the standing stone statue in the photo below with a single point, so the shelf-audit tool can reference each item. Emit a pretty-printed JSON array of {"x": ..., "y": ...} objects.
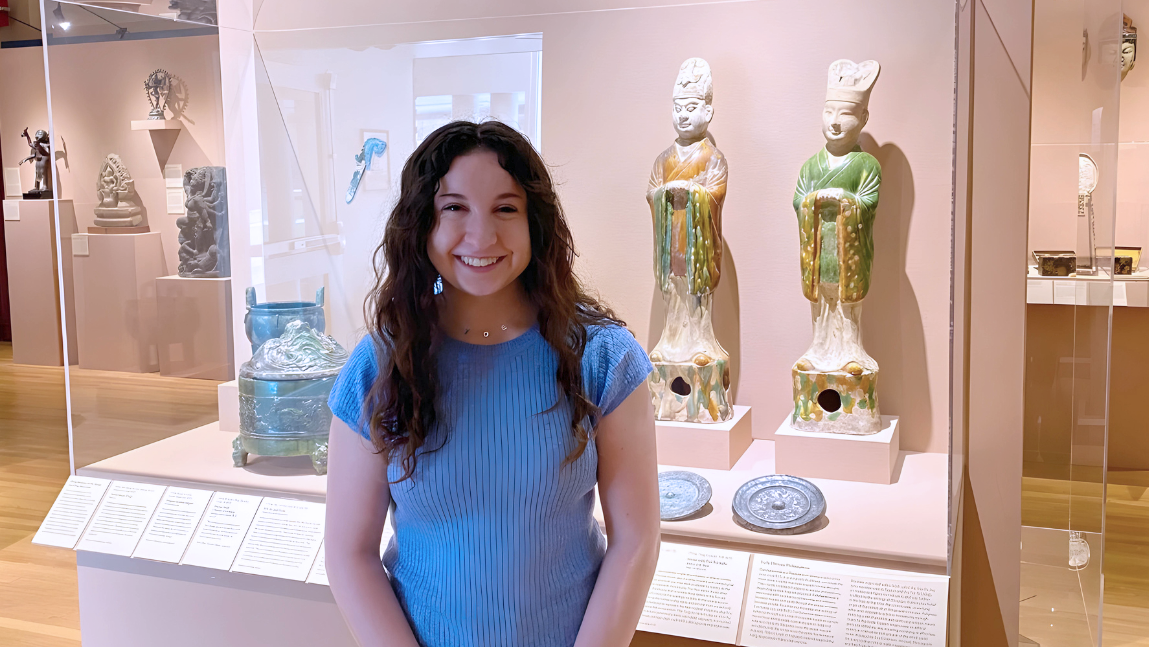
[
  {"x": 204, "y": 248},
  {"x": 41, "y": 159},
  {"x": 117, "y": 195},
  {"x": 691, "y": 378},
  {"x": 835, "y": 381}
]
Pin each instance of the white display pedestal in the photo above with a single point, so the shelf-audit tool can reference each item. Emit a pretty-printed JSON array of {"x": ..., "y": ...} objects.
[
  {"x": 127, "y": 602},
  {"x": 34, "y": 285},
  {"x": 715, "y": 446},
  {"x": 865, "y": 459},
  {"x": 227, "y": 399},
  {"x": 194, "y": 327},
  {"x": 116, "y": 301}
]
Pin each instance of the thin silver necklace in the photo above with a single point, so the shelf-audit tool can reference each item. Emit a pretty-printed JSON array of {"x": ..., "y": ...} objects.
[{"x": 486, "y": 333}]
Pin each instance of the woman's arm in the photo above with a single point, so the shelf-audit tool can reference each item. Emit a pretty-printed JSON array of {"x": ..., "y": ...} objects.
[
  {"x": 358, "y": 496},
  {"x": 628, "y": 489}
]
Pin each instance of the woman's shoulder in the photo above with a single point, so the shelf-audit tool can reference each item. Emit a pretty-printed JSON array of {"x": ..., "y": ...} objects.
[{"x": 614, "y": 364}]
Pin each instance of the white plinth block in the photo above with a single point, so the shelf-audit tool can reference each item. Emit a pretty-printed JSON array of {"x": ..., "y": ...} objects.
[
  {"x": 116, "y": 302},
  {"x": 866, "y": 459},
  {"x": 711, "y": 446},
  {"x": 227, "y": 395},
  {"x": 194, "y": 329},
  {"x": 33, "y": 280}
]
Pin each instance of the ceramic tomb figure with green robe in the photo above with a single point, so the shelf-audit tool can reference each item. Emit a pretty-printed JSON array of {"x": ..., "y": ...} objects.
[
  {"x": 691, "y": 377},
  {"x": 835, "y": 381}
]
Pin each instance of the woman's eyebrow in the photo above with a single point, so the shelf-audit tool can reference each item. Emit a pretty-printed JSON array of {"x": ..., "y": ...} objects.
[
  {"x": 452, "y": 195},
  {"x": 508, "y": 194}
]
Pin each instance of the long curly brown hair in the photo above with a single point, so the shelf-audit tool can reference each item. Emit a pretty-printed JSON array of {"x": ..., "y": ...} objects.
[{"x": 402, "y": 309}]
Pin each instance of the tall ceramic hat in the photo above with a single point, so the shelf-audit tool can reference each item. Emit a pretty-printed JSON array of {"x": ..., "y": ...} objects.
[
  {"x": 694, "y": 81},
  {"x": 852, "y": 82}
]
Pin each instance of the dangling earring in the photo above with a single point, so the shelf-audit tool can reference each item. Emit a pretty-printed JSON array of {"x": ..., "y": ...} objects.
[{"x": 438, "y": 285}]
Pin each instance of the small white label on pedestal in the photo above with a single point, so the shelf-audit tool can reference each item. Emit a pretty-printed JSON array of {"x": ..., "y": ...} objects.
[
  {"x": 222, "y": 530},
  {"x": 71, "y": 512},
  {"x": 696, "y": 593},
  {"x": 803, "y": 602},
  {"x": 11, "y": 210},
  {"x": 170, "y": 530},
  {"x": 283, "y": 540},
  {"x": 79, "y": 244},
  {"x": 121, "y": 518},
  {"x": 12, "y": 183}
]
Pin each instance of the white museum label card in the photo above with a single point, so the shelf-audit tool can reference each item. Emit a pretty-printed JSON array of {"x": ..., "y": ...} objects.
[
  {"x": 283, "y": 540},
  {"x": 222, "y": 530},
  {"x": 174, "y": 176},
  {"x": 71, "y": 512},
  {"x": 697, "y": 593},
  {"x": 175, "y": 520},
  {"x": 12, "y": 182},
  {"x": 121, "y": 517},
  {"x": 318, "y": 574},
  {"x": 79, "y": 244},
  {"x": 803, "y": 602},
  {"x": 12, "y": 210}
]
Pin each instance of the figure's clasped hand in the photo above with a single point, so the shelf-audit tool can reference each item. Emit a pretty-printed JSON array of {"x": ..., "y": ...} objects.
[{"x": 831, "y": 194}]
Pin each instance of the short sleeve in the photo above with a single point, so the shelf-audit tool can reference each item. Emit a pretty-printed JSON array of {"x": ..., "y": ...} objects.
[
  {"x": 349, "y": 393},
  {"x": 614, "y": 365}
]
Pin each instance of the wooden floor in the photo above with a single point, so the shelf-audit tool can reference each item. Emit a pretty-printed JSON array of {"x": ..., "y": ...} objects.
[
  {"x": 114, "y": 412},
  {"x": 39, "y": 606}
]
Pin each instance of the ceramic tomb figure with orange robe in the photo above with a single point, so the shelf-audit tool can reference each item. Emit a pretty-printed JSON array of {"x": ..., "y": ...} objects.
[
  {"x": 691, "y": 378},
  {"x": 836, "y": 199}
]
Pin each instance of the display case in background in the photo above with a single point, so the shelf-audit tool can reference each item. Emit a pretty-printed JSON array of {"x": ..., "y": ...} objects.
[
  {"x": 307, "y": 98},
  {"x": 1084, "y": 457},
  {"x": 141, "y": 330}
]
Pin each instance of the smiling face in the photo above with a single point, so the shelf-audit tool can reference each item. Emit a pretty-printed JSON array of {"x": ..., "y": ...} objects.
[
  {"x": 691, "y": 118},
  {"x": 842, "y": 123},
  {"x": 1128, "y": 55},
  {"x": 481, "y": 242}
]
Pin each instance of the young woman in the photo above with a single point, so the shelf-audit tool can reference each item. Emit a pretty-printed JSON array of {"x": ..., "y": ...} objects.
[{"x": 491, "y": 397}]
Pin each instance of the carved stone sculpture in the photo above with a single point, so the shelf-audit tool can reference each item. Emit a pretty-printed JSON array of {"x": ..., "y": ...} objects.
[
  {"x": 41, "y": 159},
  {"x": 195, "y": 10},
  {"x": 1128, "y": 46},
  {"x": 158, "y": 86},
  {"x": 835, "y": 381},
  {"x": 691, "y": 378},
  {"x": 204, "y": 248},
  {"x": 119, "y": 204}
]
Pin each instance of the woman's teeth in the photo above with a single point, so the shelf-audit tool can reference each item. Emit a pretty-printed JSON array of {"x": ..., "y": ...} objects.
[{"x": 478, "y": 261}]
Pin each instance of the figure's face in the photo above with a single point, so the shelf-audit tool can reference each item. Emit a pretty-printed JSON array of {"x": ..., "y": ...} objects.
[
  {"x": 1127, "y": 52},
  {"x": 41, "y": 136},
  {"x": 842, "y": 121},
  {"x": 481, "y": 242},
  {"x": 692, "y": 117}
]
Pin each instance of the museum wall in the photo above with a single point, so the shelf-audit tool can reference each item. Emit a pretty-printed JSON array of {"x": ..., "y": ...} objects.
[
  {"x": 23, "y": 103},
  {"x": 990, "y": 301},
  {"x": 1075, "y": 110},
  {"x": 606, "y": 116},
  {"x": 1133, "y": 148},
  {"x": 92, "y": 115}
]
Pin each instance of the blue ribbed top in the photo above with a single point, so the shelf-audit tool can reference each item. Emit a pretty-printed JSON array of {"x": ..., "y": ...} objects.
[{"x": 495, "y": 540}]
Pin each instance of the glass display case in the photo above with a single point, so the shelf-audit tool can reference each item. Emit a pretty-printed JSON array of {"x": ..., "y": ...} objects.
[
  {"x": 1081, "y": 583},
  {"x": 231, "y": 177}
]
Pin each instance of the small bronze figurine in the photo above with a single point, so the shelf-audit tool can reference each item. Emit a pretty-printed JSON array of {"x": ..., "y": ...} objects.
[{"x": 42, "y": 189}]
